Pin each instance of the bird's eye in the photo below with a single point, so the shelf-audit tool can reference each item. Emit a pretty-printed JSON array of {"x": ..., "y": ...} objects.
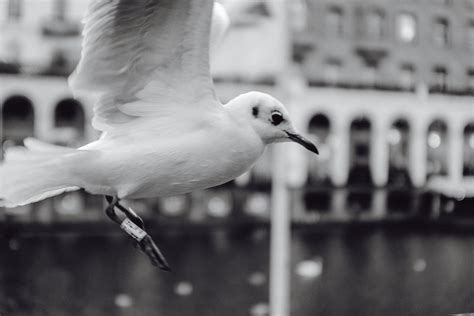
[
  {"x": 255, "y": 111},
  {"x": 277, "y": 118}
]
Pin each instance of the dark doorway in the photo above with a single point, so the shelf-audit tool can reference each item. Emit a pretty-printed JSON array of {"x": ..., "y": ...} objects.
[
  {"x": 318, "y": 169},
  {"x": 359, "y": 173},
  {"x": 70, "y": 113},
  {"x": 398, "y": 142}
]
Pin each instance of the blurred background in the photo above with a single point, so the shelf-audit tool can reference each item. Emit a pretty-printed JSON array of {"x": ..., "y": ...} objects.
[{"x": 382, "y": 220}]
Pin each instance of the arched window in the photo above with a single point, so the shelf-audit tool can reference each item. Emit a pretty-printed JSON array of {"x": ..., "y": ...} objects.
[
  {"x": 319, "y": 126},
  {"x": 319, "y": 129},
  {"x": 360, "y": 151},
  {"x": 468, "y": 169},
  {"x": 437, "y": 148},
  {"x": 406, "y": 28},
  {"x": 334, "y": 22},
  {"x": 18, "y": 118},
  {"x": 18, "y": 122},
  {"x": 69, "y": 113}
]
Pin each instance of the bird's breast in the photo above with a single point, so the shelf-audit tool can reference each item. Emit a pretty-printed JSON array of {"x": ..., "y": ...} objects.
[{"x": 198, "y": 161}]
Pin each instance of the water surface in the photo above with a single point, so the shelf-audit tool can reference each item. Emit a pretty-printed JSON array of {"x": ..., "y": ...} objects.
[{"x": 366, "y": 271}]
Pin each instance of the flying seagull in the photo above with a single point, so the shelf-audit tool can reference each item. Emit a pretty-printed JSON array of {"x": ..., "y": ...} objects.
[{"x": 164, "y": 130}]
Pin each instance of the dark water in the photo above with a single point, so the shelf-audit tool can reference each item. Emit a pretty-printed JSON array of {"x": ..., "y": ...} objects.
[{"x": 365, "y": 272}]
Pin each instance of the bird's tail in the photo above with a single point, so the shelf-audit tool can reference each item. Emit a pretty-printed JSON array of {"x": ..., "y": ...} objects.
[{"x": 35, "y": 172}]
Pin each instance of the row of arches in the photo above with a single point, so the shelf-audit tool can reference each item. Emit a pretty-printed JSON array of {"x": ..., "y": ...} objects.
[
  {"x": 398, "y": 142},
  {"x": 18, "y": 122},
  {"x": 18, "y": 118}
]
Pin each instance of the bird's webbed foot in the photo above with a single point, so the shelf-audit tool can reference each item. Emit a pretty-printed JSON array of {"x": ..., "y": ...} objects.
[{"x": 133, "y": 225}]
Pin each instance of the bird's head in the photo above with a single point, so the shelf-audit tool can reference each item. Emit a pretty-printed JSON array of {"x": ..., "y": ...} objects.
[{"x": 269, "y": 118}]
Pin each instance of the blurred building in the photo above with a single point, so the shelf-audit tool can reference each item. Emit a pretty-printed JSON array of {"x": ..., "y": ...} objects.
[
  {"x": 389, "y": 70},
  {"x": 385, "y": 89}
]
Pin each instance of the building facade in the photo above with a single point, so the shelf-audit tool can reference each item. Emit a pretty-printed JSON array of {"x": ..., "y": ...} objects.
[
  {"x": 384, "y": 88},
  {"x": 386, "y": 45},
  {"x": 399, "y": 72}
]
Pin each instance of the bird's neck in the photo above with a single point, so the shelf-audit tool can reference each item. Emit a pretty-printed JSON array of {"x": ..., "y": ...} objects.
[
  {"x": 240, "y": 114},
  {"x": 237, "y": 110}
]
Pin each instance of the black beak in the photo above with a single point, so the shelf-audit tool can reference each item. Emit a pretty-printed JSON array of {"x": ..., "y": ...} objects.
[{"x": 303, "y": 142}]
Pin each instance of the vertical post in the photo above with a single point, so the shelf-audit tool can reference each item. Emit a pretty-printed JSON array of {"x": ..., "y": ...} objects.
[
  {"x": 418, "y": 154},
  {"x": 455, "y": 153},
  {"x": 280, "y": 238},
  {"x": 280, "y": 216}
]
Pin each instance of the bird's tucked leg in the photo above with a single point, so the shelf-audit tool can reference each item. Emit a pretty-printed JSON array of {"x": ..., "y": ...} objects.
[
  {"x": 110, "y": 211},
  {"x": 133, "y": 225}
]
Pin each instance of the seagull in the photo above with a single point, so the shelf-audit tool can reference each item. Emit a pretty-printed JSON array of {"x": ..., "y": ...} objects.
[{"x": 164, "y": 131}]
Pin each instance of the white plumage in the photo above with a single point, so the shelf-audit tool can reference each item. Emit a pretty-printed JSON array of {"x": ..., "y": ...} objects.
[
  {"x": 165, "y": 132},
  {"x": 136, "y": 52}
]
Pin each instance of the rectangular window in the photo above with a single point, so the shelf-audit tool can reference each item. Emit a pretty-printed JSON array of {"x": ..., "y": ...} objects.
[
  {"x": 334, "y": 25},
  {"x": 440, "y": 78},
  {"x": 374, "y": 24},
  {"x": 441, "y": 32}
]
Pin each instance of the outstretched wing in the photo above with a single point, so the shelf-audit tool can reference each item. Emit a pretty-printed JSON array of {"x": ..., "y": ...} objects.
[
  {"x": 140, "y": 56},
  {"x": 220, "y": 24}
]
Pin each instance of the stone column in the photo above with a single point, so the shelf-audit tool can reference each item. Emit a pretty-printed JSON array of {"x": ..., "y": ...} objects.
[
  {"x": 340, "y": 156},
  {"x": 379, "y": 154},
  {"x": 44, "y": 117},
  {"x": 455, "y": 151},
  {"x": 418, "y": 153}
]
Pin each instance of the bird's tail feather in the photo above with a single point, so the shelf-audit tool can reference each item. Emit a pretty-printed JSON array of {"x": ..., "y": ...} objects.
[{"x": 35, "y": 172}]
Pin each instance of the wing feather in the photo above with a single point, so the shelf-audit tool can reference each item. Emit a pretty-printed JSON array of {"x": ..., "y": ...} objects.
[{"x": 141, "y": 55}]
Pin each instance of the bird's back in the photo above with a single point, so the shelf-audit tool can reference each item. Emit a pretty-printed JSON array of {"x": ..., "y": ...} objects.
[{"x": 159, "y": 166}]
